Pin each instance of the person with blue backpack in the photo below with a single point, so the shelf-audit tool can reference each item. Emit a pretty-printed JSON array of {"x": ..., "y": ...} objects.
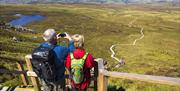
[{"x": 48, "y": 60}]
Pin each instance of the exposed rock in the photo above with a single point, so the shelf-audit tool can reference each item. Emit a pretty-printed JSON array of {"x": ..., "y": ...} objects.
[
  {"x": 121, "y": 63},
  {"x": 15, "y": 39}
]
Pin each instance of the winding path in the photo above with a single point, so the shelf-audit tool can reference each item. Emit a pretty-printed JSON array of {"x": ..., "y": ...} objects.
[
  {"x": 131, "y": 23},
  {"x": 134, "y": 43}
]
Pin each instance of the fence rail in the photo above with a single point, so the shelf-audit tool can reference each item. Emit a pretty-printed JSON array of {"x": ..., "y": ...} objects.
[
  {"x": 12, "y": 71},
  {"x": 104, "y": 75},
  {"x": 100, "y": 78},
  {"x": 147, "y": 78},
  {"x": 12, "y": 59}
]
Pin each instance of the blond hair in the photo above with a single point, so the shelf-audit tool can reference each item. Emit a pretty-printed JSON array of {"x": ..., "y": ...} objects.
[{"x": 78, "y": 40}]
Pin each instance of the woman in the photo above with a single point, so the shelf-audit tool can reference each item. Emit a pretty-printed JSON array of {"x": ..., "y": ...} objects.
[{"x": 79, "y": 80}]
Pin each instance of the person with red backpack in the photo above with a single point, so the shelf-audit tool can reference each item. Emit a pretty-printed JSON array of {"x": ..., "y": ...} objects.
[{"x": 79, "y": 64}]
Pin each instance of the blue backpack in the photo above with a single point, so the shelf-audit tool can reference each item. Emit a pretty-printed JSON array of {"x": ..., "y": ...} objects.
[{"x": 43, "y": 63}]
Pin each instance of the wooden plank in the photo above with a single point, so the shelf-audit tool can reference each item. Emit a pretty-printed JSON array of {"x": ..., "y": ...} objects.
[
  {"x": 24, "y": 89},
  {"x": 12, "y": 71},
  {"x": 23, "y": 76},
  {"x": 95, "y": 76},
  {"x": 33, "y": 79},
  {"x": 146, "y": 78},
  {"x": 105, "y": 84},
  {"x": 15, "y": 89},
  {"x": 100, "y": 74},
  {"x": 102, "y": 82},
  {"x": 12, "y": 59},
  {"x": 102, "y": 79}
]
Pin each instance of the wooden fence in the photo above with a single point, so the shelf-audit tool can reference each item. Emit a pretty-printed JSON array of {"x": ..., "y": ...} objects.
[
  {"x": 104, "y": 75},
  {"x": 23, "y": 73},
  {"x": 100, "y": 77},
  {"x": 33, "y": 77}
]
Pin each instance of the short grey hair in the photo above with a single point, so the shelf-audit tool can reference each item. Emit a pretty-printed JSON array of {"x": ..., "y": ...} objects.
[{"x": 49, "y": 34}]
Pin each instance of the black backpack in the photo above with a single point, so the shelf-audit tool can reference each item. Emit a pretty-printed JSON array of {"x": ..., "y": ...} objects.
[{"x": 43, "y": 63}]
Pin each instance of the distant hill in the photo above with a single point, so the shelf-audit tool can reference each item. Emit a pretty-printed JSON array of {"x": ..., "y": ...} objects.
[{"x": 87, "y": 1}]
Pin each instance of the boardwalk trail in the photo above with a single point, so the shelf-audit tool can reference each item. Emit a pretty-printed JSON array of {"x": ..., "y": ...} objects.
[{"x": 134, "y": 42}]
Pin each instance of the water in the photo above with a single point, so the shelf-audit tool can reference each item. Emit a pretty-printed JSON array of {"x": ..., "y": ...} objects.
[{"x": 25, "y": 19}]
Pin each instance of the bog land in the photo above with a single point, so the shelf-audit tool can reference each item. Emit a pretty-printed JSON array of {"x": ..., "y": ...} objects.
[{"x": 158, "y": 53}]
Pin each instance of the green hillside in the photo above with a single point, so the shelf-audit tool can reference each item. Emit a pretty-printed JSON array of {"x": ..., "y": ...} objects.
[{"x": 156, "y": 54}]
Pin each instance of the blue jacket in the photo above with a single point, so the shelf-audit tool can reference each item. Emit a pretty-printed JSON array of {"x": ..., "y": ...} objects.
[{"x": 60, "y": 54}]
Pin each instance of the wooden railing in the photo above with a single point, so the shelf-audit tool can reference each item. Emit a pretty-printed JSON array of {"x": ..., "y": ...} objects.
[
  {"x": 100, "y": 77},
  {"x": 33, "y": 77},
  {"x": 104, "y": 75},
  {"x": 23, "y": 73}
]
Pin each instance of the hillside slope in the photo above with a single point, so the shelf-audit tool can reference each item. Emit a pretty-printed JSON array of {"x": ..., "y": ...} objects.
[{"x": 156, "y": 54}]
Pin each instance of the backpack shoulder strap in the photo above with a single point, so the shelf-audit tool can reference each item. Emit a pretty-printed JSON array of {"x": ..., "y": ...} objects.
[
  {"x": 72, "y": 56},
  {"x": 50, "y": 46},
  {"x": 85, "y": 56}
]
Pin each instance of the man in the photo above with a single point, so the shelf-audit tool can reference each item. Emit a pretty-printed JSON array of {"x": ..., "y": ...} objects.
[
  {"x": 59, "y": 53},
  {"x": 77, "y": 58}
]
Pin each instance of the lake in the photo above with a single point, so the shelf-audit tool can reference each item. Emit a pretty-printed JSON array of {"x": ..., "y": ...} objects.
[{"x": 25, "y": 19}]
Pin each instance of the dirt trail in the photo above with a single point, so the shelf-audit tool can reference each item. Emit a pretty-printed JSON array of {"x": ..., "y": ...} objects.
[{"x": 134, "y": 42}]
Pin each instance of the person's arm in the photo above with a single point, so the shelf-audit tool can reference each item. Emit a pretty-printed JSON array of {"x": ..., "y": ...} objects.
[
  {"x": 68, "y": 66},
  {"x": 69, "y": 49},
  {"x": 71, "y": 46},
  {"x": 68, "y": 62},
  {"x": 71, "y": 43}
]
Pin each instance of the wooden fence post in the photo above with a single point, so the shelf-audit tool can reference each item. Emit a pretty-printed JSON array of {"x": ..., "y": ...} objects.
[
  {"x": 23, "y": 76},
  {"x": 33, "y": 79},
  {"x": 102, "y": 79},
  {"x": 102, "y": 82},
  {"x": 95, "y": 76}
]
